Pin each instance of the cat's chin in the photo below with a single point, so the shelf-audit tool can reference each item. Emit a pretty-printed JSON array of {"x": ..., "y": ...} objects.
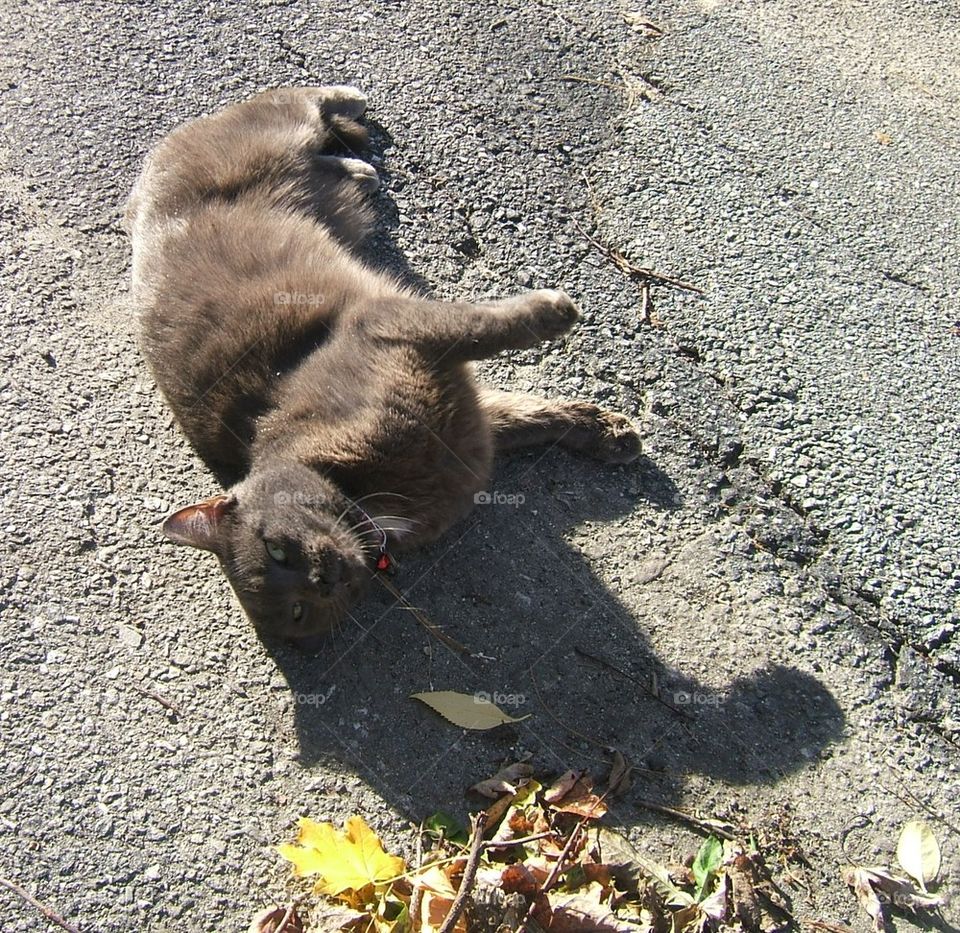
[{"x": 307, "y": 643}]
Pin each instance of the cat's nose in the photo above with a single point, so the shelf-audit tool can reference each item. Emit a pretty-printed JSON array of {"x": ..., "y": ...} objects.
[{"x": 326, "y": 570}]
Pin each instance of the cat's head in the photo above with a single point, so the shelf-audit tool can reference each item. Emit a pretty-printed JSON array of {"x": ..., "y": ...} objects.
[{"x": 287, "y": 543}]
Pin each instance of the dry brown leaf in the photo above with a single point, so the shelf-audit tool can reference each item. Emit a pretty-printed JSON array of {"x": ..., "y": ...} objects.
[
  {"x": 619, "y": 781},
  {"x": 505, "y": 781},
  {"x": 686, "y": 919},
  {"x": 746, "y": 906},
  {"x": 437, "y": 897},
  {"x": 576, "y": 798},
  {"x": 859, "y": 880},
  {"x": 286, "y": 920}
]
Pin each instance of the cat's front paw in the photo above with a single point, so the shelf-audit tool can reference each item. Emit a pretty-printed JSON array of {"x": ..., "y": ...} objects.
[
  {"x": 550, "y": 313},
  {"x": 617, "y": 439}
]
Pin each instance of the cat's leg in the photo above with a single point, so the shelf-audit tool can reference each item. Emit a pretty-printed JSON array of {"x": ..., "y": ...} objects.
[
  {"x": 455, "y": 332},
  {"x": 519, "y": 420},
  {"x": 361, "y": 173}
]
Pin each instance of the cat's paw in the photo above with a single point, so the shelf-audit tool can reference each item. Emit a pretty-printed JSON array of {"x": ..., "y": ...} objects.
[
  {"x": 363, "y": 174},
  {"x": 340, "y": 100},
  {"x": 617, "y": 439},
  {"x": 550, "y": 313}
]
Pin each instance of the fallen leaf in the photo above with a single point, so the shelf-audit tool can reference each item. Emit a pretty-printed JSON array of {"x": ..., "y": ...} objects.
[
  {"x": 687, "y": 918},
  {"x": 715, "y": 906},
  {"x": 437, "y": 897},
  {"x": 344, "y": 861},
  {"x": 628, "y": 866},
  {"x": 580, "y": 913},
  {"x": 619, "y": 780},
  {"x": 859, "y": 880},
  {"x": 466, "y": 710},
  {"x": 576, "y": 798},
  {"x": 705, "y": 865},
  {"x": 746, "y": 906},
  {"x": 286, "y": 920},
  {"x": 919, "y": 853},
  {"x": 444, "y": 825},
  {"x": 561, "y": 786},
  {"x": 505, "y": 781}
]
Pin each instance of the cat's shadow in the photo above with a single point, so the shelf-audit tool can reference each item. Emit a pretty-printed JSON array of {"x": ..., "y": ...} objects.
[{"x": 547, "y": 637}]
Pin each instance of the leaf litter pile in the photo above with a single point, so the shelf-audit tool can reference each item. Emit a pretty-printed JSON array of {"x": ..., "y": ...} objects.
[{"x": 538, "y": 858}]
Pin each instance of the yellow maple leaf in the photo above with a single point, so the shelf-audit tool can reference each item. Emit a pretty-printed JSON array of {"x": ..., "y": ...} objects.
[{"x": 344, "y": 861}]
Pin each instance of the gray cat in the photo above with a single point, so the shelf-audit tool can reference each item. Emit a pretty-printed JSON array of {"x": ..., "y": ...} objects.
[{"x": 336, "y": 406}]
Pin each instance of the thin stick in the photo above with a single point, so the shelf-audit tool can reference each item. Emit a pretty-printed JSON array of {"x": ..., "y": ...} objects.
[
  {"x": 555, "y": 871},
  {"x": 417, "y": 895},
  {"x": 163, "y": 701},
  {"x": 632, "y": 679},
  {"x": 442, "y": 637},
  {"x": 633, "y": 271},
  {"x": 469, "y": 874},
  {"x": 596, "y": 82},
  {"x": 285, "y": 919},
  {"x": 708, "y": 826},
  {"x": 517, "y": 842},
  {"x": 51, "y": 915}
]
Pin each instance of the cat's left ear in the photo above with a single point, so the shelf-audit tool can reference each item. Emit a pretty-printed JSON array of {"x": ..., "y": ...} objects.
[{"x": 200, "y": 525}]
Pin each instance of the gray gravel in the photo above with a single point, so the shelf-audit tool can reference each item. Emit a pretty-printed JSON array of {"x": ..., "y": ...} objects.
[{"x": 784, "y": 559}]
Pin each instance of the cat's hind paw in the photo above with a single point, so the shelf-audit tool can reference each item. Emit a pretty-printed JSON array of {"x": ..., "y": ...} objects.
[{"x": 618, "y": 441}]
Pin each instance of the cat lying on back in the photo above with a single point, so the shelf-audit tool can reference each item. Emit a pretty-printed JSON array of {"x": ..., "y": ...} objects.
[{"x": 336, "y": 407}]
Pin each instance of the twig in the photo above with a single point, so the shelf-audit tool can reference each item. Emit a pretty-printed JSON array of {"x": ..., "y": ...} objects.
[
  {"x": 579, "y": 735},
  {"x": 491, "y": 844},
  {"x": 47, "y": 912},
  {"x": 826, "y": 925},
  {"x": 469, "y": 874},
  {"x": 451, "y": 643},
  {"x": 634, "y": 271},
  {"x": 558, "y": 867},
  {"x": 417, "y": 895},
  {"x": 163, "y": 701},
  {"x": 707, "y": 826},
  {"x": 632, "y": 679},
  {"x": 285, "y": 919},
  {"x": 596, "y": 82}
]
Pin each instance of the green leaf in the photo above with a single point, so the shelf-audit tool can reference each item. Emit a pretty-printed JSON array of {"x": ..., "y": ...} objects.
[
  {"x": 443, "y": 824},
  {"x": 705, "y": 865}
]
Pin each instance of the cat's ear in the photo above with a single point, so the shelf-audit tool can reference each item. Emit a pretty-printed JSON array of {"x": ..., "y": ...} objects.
[{"x": 200, "y": 525}]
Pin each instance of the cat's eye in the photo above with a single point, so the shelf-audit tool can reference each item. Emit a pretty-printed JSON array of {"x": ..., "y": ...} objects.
[
  {"x": 276, "y": 552},
  {"x": 297, "y": 611}
]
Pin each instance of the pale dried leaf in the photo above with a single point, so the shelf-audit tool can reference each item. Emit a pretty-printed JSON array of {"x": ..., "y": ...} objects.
[
  {"x": 901, "y": 891},
  {"x": 715, "y": 906},
  {"x": 918, "y": 852},
  {"x": 859, "y": 880},
  {"x": 561, "y": 786},
  {"x": 466, "y": 710}
]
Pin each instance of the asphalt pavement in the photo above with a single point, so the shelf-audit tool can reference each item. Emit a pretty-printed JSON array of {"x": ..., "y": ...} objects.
[{"x": 783, "y": 562}]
